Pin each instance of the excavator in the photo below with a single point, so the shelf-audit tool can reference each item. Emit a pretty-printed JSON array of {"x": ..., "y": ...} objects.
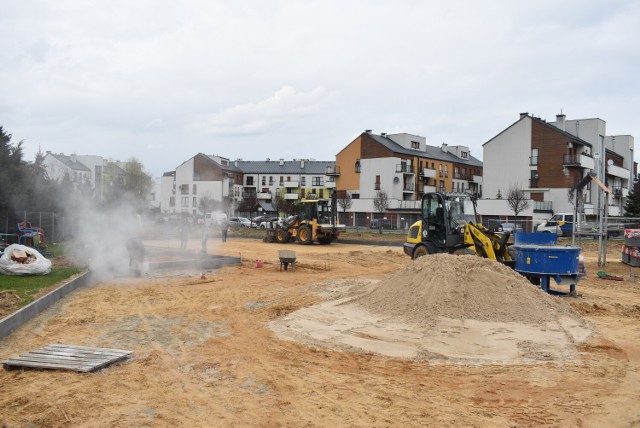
[
  {"x": 315, "y": 221},
  {"x": 449, "y": 225}
]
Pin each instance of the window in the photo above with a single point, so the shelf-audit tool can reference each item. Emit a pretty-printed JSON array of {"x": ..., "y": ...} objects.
[
  {"x": 377, "y": 183},
  {"x": 195, "y": 189},
  {"x": 321, "y": 194},
  {"x": 184, "y": 189},
  {"x": 358, "y": 165},
  {"x": 194, "y": 203},
  {"x": 415, "y": 145},
  {"x": 184, "y": 202},
  {"x": 264, "y": 180},
  {"x": 303, "y": 181},
  {"x": 271, "y": 180},
  {"x": 281, "y": 180},
  {"x": 534, "y": 157},
  {"x": 355, "y": 196},
  {"x": 464, "y": 155},
  {"x": 249, "y": 180},
  {"x": 288, "y": 178},
  {"x": 317, "y": 181},
  {"x": 172, "y": 201},
  {"x": 301, "y": 193}
]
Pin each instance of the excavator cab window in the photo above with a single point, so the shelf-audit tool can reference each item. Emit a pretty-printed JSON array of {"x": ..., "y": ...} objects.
[{"x": 433, "y": 215}]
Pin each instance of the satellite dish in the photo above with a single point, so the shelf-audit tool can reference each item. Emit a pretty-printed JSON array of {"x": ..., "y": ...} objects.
[
  {"x": 610, "y": 162},
  {"x": 396, "y": 179}
]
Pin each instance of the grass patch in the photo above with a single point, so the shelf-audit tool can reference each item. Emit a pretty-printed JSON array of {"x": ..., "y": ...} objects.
[{"x": 17, "y": 291}]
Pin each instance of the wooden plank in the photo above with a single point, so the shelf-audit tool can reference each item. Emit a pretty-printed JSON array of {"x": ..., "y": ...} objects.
[
  {"x": 87, "y": 348},
  {"x": 68, "y": 357}
]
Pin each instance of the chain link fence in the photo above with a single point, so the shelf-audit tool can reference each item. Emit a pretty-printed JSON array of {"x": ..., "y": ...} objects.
[{"x": 53, "y": 224}]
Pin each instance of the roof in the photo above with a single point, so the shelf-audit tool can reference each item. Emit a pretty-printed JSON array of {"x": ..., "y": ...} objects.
[
  {"x": 431, "y": 152},
  {"x": 287, "y": 167},
  {"x": 572, "y": 137},
  {"x": 69, "y": 163}
]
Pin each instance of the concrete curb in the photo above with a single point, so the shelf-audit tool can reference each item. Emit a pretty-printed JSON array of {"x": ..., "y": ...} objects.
[{"x": 14, "y": 321}]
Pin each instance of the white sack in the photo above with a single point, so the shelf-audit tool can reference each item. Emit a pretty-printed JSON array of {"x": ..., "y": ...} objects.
[{"x": 40, "y": 266}]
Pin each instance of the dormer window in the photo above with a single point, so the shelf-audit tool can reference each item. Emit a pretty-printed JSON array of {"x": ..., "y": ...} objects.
[
  {"x": 415, "y": 145},
  {"x": 464, "y": 155}
]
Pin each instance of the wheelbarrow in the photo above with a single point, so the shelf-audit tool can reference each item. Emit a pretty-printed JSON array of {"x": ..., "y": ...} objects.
[{"x": 287, "y": 257}]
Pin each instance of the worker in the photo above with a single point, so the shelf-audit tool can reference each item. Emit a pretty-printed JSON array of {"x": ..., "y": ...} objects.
[
  {"x": 184, "y": 232},
  {"x": 205, "y": 237},
  {"x": 224, "y": 227},
  {"x": 135, "y": 248}
]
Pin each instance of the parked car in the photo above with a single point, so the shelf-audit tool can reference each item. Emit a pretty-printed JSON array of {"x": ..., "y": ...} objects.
[
  {"x": 239, "y": 222},
  {"x": 263, "y": 224},
  {"x": 512, "y": 228},
  {"x": 376, "y": 223}
]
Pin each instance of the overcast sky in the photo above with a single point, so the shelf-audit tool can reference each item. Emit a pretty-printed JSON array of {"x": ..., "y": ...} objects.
[{"x": 164, "y": 80}]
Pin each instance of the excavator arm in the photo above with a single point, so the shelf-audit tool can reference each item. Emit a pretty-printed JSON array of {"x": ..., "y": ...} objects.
[{"x": 487, "y": 244}]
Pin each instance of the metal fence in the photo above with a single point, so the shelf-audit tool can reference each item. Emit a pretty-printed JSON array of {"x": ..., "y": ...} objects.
[{"x": 53, "y": 224}]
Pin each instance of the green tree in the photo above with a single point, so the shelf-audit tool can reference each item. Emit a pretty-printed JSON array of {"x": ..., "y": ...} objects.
[
  {"x": 632, "y": 206},
  {"x": 137, "y": 183}
]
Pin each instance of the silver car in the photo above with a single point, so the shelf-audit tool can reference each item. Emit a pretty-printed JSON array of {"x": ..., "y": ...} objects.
[{"x": 239, "y": 222}]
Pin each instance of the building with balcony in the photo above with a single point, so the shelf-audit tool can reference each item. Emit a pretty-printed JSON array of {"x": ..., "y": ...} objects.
[
  {"x": 250, "y": 186},
  {"x": 404, "y": 167},
  {"x": 547, "y": 159}
]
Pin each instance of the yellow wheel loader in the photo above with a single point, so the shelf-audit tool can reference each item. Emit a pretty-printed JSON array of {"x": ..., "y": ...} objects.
[
  {"x": 449, "y": 225},
  {"x": 315, "y": 221}
]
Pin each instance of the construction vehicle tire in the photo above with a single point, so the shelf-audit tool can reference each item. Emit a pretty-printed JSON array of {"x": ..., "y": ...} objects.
[
  {"x": 420, "y": 251},
  {"x": 324, "y": 241},
  {"x": 304, "y": 235},
  {"x": 282, "y": 236}
]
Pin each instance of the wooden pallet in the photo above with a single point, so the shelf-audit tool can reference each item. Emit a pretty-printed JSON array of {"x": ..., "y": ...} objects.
[{"x": 67, "y": 357}]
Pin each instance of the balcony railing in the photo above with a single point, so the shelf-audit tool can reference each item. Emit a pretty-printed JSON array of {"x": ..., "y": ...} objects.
[
  {"x": 332, "y": 170},
  {"x": 444, "y": 174},
  {"x": 617, "y": 191},
  {"x": 376, "y": 186},
  {"x": 533, "y": 183},
  {"x": 403, "y": 167},
  {"x": 542, "y": 206},
  {"x": 409, "y": 187},
  {"x": 429, "y": 173}
]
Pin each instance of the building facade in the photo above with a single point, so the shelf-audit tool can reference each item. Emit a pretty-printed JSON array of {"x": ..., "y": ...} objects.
[
  {"x": 547, "y": 159},
  {"x": 250, "y": 186},
  {"x": 404, "y": 167}
]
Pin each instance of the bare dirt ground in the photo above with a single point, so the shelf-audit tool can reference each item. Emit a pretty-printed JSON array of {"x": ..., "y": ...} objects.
[{"x": 206, "y": 353}]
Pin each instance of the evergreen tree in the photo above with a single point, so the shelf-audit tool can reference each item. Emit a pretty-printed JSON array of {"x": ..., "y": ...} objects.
[{"x": 632, "y": 206}]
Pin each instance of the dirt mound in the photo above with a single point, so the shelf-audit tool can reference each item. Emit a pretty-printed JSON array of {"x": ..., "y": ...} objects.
[
  {"x": 462, "y": 287},
  {"x": 7, "y": 301}
]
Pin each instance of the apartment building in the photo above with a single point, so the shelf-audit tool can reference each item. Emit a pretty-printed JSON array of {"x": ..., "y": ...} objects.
[
  {"x": 85, "y": 171},
  {"x": 404, "y": 167},
  {"x": 547, "y": 159},
  {"x": 244, "y": 184}
]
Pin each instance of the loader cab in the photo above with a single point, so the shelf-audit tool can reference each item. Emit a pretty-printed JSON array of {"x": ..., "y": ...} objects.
[{"x": 445, "y": 217}]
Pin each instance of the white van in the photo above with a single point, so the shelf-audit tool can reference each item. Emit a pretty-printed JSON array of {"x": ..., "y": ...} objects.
[
  {"x": 560, "y": 224},
  {"x": 214, "y": 218}
]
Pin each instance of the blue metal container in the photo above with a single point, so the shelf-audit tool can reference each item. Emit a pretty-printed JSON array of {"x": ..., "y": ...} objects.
[
  {"x": 528, "y": 238},
  {"x": 547, "y": 259}
]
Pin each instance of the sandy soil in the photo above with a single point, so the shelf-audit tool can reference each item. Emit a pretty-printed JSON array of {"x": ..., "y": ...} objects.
[{"x": 208, "y": 352}]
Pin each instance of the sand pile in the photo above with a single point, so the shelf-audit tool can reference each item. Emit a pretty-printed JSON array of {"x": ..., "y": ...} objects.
[
  {"x": 444, "y": 309},
  {"x": 462, "y": 287}
]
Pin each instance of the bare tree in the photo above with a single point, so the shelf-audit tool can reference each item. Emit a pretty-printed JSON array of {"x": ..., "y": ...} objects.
[
  {"x": 345, "y": 201},
  {"x": 381, "y": 203},
  {"x": 518, "y": 201}
]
